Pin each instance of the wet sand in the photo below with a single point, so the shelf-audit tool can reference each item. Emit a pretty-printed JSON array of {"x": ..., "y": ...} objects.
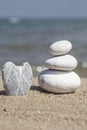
[{"x": 39, "y": 110}]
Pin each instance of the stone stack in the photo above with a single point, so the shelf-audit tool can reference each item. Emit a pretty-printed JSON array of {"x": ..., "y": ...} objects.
[{"x": 60, "y": 77}]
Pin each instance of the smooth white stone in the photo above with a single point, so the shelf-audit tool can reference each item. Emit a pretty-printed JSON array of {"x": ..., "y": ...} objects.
[
  {"x": 60, "y": 47},
  {"x": 17, "y": 79},
  {"x": 65, "y": 62},
  {"x": 59, "y": 81}
]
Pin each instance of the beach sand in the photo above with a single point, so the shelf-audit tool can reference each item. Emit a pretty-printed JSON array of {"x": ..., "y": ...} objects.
[{"x": 40, "y": 110}]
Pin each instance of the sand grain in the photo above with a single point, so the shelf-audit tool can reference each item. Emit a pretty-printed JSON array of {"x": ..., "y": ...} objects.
[{"x": 39, "y": 110}]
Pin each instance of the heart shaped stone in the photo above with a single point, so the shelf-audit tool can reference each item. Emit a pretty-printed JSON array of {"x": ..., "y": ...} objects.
[{"x": 17, "y": 79}]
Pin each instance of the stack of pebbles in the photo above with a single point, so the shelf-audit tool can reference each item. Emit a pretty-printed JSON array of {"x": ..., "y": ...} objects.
[{"x": 59, "y": 77}]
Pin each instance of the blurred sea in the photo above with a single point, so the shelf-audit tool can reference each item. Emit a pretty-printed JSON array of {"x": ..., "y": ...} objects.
[{"x": 29, "y": 39}]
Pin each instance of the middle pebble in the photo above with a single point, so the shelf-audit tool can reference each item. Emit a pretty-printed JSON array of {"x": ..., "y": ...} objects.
[{"x": 65, "y": 62}]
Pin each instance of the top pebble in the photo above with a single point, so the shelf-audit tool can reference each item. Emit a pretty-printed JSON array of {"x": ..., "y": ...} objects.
[{"x": 60, "y": 47}]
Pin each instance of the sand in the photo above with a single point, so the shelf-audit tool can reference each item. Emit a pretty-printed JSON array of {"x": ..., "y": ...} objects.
[{"x": 39, "y": 110}]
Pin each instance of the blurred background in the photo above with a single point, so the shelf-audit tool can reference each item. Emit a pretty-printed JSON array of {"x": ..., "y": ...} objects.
[{"x": 28, "y": 27}]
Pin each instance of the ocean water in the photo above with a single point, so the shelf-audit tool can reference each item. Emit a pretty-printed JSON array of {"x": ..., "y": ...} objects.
[{"x": 29, "y": 39}]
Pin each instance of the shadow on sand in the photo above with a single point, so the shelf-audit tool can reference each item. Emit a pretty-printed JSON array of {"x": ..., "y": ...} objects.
[
  {"x": 2, "y": 92},
  {"x": 38, "y": 88}
]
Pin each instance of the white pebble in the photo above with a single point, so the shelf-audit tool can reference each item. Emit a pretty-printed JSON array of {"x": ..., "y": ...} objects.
[
  {"x": 84, "y": 65},
  {"x": 60, "y": 47},
  {"x": 40, "y": 68},
  {"x": 59, "y": 81},
  {"x": 65, "y": 62}
]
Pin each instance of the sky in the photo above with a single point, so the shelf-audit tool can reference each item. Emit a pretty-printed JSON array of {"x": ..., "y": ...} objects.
[{"x": 44, "y": 8}]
